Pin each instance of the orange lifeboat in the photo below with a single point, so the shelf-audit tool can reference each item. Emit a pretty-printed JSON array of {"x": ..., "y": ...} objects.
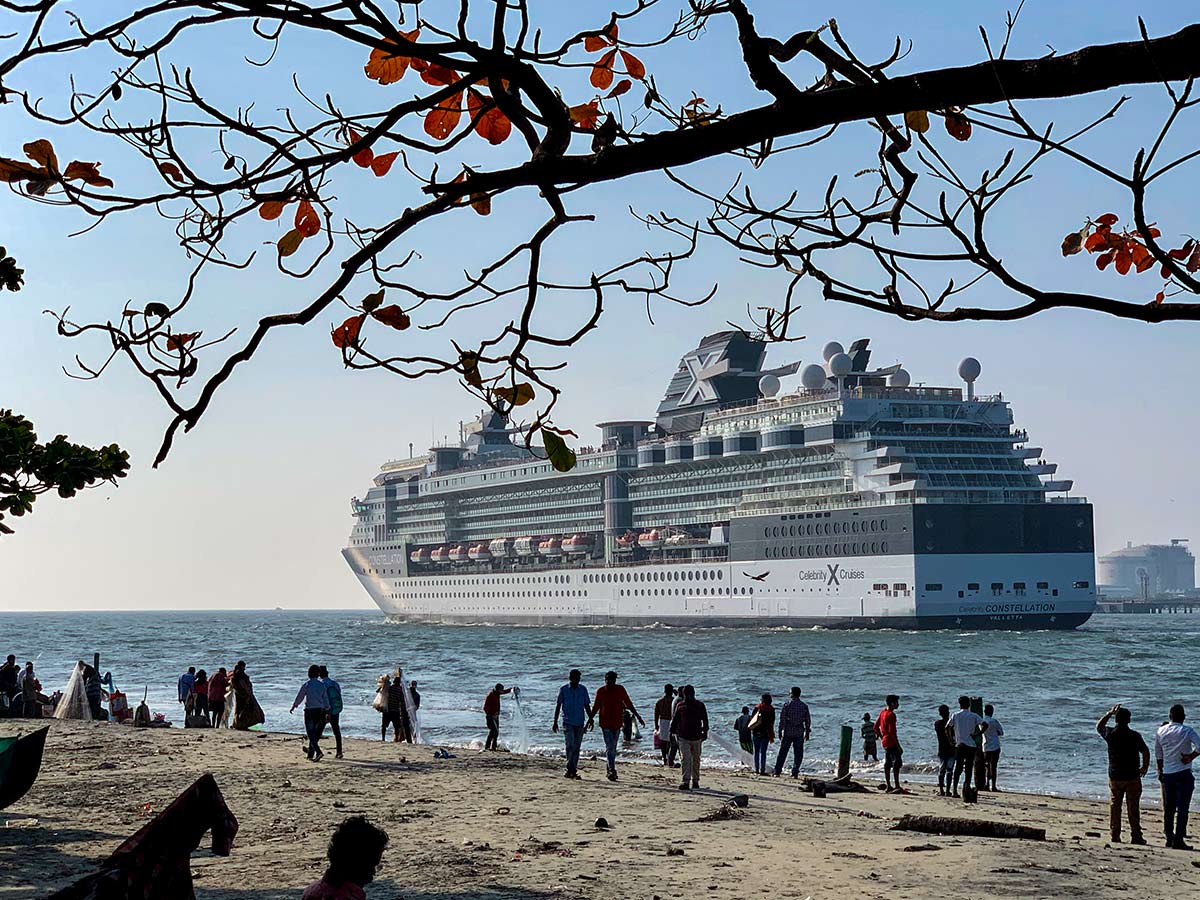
[
  {"x": 440, "y": 555},
  {"x": 458, "y": 553},
  {"x": 577, "y": 545},
  {"x": 650, "y": 540},
  {"x": 551, "y": 547},
  {"x": 626, "y": 542},
  {"x": 479, "y": 553},
  {"x": 420, "y": 556}
]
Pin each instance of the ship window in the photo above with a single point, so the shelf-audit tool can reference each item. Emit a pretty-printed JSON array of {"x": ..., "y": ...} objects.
[
  {"x": 720, "y": 575},
  {"x": 1042, "y": 585},
  {"x": 997, "y": 586},
  {"x": 973, "y": 586},
  {"x": 883, "y": 547},
  {"x": 883, "y": 524},
  {"x": 1080, "y": 584},
  {"x": 1018, "y": 585},
  {"x": 933, "y": 587},
  {"x": 900, "y": 587},
  {"x": 766, "y": 532},
  {"x": 1054, "y": 593}
]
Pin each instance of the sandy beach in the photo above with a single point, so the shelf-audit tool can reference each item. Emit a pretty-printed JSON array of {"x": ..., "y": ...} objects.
[{"x": 496, "y": 826}]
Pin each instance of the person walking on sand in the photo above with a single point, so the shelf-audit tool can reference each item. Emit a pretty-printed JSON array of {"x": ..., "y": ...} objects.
[
  {"x": 945, "y": 750},
  {"x": 333, "y": 692},
  {"x": 965, "y": 725},
  {"x": 690, "y": 727},
  {"x": 316, "y": 707},
  {"x": 795, "y": 727},
  {"x": 355, "y": 852},
  {"x": 1175, "y": 746},
  {"x": 246, "y": 711},
  {"x": 742, "y": 726},
  {"x": 491, "y": 714},
  {"x": 664, "y": 709},
  {"x": 762, "y": 730},
  {"x": 991, "y": 747},
  {"x": 885, "y": 727},
  {"x": 612, "y": 702},
  {"x": 1128, "y": 762},
  {"x": 869, "y": 739},
  {"x": 217, "y": 685},
  {"x": 573, "y": 703},
  {"x": 187, "y": 683}
]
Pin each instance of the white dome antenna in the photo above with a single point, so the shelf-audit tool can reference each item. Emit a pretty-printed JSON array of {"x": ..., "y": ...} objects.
[
  {"x": 900, "y": 379},
  {"x": 813, "y": 377},
  {"x": 832, "y": 349},
  {"x": 768, "y": 385},
  {"x": 840, "y": 364},
  {"x": 968, "y": 371}
]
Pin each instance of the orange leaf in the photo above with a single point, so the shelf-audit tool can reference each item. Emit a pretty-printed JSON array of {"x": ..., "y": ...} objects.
[
  {"x": 633, "y": 65},
  {"x": 481, "y": 203},
  {"x": 1104, "y": 259},
  {"x": 272, "y": 209},
  {"x": 958, "y": 126},
  {"x": 346, "y": 334},
  {"x": 308, "y": 222},
  {"x": 364, "y": 157},
  {"x": 622, "y": 86},
  {"x": 393, "y": 316},
  {"x": 585, "y": 115},
  {"x": 606, "y": 38},
  {"x": 1124, "y": 259},
  {"x": 170, "y": 170},
  {"x": 387, "y": 66},
  {"x": 441, "y": 121},
  {"x": 493, "y": 126},
  {"x": 1159, "y": 297},
  {"x": 382, "y": 164},
  {"x": 602, "y": 71},
  {"x": 1107, "y": 219},
  {"x": 88, "y": 173},
  {"x": 435, "y": 73},
  {"x": 42, "y": 153},
  {"x": 1142, "y": 258},
  {"x": 1096, "y": 241}
]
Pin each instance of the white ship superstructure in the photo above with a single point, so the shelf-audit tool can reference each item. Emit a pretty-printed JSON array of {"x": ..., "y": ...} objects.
[{"x": 857, "y": 500}]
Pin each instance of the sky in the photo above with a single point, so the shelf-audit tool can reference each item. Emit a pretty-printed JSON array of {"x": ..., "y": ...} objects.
[{"x": 252, "y": 507}]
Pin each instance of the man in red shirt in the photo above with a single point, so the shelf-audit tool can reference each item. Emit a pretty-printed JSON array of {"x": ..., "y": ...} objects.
[
  {"x": 885, "y": 727},
  {"x": 491, "y": 711},
  {"x": 611, "y": 702}
]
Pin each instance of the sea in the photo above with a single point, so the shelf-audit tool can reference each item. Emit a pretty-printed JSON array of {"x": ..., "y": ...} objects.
[{"x": 1048, "y": 687}]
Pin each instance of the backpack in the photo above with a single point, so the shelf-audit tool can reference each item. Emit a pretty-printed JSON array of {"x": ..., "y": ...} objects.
[{"x": 141, "y": 716}]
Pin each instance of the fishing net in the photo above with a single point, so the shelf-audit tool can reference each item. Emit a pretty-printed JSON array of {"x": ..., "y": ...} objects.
[
  {"x": 520, "y": 727},
  {"x": 734, "y": 750},
  {"x": 414, "y": 715},
  {"x": 74, "y": 704}
]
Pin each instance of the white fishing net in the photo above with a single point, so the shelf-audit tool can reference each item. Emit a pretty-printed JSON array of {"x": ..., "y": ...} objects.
[
  {"x": 74, "y": 704},
  {"x": 519, "y": 743}
]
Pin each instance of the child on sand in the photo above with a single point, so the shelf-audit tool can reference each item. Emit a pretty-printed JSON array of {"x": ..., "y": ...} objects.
[{"x": 868, "y": 738}]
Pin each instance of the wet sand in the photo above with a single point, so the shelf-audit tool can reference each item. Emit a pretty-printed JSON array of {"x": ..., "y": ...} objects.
[{"x": 496, "y": 826}]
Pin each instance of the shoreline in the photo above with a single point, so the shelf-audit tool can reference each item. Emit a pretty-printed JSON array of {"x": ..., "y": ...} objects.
[{"x": 501, "y": 826}]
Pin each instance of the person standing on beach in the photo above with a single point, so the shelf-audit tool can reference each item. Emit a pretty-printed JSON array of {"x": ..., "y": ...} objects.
[
  {"x": 690, "y": 727},
  {"x": 612, "y": 702},
  {"x": 217, "y": 685},
  {"x": 664, "y": 709},
  {"x": 573, "y": 703},
  {"x": 246, "y": 711},
  {"x": 355, "y": 852},
  {"x": 397, "y": 710},
  {"x": 8, "y": 681},
  {"x": 869, "y": 739},
  {"x": 200, "y": 695},
  {"x": 316, "y": 708},
  {"x": 187, "y": 683},
  {"x": 762, "y": 730},
  {"x": 991, "y": 747},
  {"x": 416, "y": 696},
  {"x": 742, "y": 726},
  {"x": 95, "y": 693},
  {"x": 1128, "y": 762},
  {"x": 491, "y": 713},
  {"x": 1175, "y": 746},
  {"x": 965, "y": 725},
  {"x": 795, "y": 727},
  {"x": 333, "y": 692},
  {"x": 28, "y": 684},
  {"x": 885, "y": 727},
  {"x": 945, "y": 750}
]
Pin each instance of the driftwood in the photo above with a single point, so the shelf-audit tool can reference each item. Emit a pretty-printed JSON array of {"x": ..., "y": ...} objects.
[
  {"x": 968, "y": 827},
  {"x": 844, "y": 785}
]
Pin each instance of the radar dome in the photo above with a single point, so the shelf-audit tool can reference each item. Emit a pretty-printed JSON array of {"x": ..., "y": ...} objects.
[
  {"x": 813, "y": 377},
  {"x": 832, "y": 349},
  {"x": 969, "y": 369},
  {"x": 840, "y": 364},
  {"x": 900, "y": 378},
  {"x": 768, "y": 385}
]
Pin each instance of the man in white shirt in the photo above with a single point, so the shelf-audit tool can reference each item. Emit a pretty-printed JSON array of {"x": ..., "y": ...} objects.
[
  {"x": 964, "y": 724},
  {"x": 991, "y": 748},
  {"x": 1175, "y": 746}
]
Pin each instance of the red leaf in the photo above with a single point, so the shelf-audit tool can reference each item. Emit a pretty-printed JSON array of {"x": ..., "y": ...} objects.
[
  {"x": 1097, "y": 240},
  {"x": 1193, "y": 263},
  {"x": 493, "y": 126},
  {"x": 622, "y": 86},
  {"x": 482, "y": 203},
  {"x": 606, "y": 38},
  {"x": 437, "y": 74},
  {"x": 170, "y": 170},
  {"x": 346, "y": 334},
  {"x": 381, "y": 164},
  {"x": 182, "y": 340},
  {"x": 958, "y": 126},
  {"x": 633, "y": 65},
  {"x": 393, "y": 316},
  {"x": 272, "y": 209},
  {"x": 1124, "y": 260},
  {"x": 1107, "y": 219},
  {"x": 364, "y": 157},
  {"x": 441, "y": 121},
  {"x": 1142, "y": 259},
  {"x": 585, "y": 115},
  {"x": 308, "y": 222},
  {"x": 1159, "y": 297},
  {"x": 602, "y": 71},
  {"x": 1104, "y": 259},
  {"x": 1181, "y": 253}
]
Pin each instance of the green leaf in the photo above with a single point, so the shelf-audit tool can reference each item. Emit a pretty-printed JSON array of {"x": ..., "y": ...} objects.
[
  {"x": 561, "y": 456},
  {"x": 290, "y": 242},
  {"x": 372, "y": 302}
]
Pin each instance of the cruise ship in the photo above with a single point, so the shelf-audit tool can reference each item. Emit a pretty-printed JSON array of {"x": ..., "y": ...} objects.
[{"x": 857, "y": 500}]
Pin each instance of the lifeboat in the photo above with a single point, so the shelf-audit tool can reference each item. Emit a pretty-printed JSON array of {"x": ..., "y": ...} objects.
[
  {"x": 550, "y": 547},
  {"x": 626, "y": 542},
  {"x": 650, "y": 540},
  {"x": 501, "y": 547},
  {"x": 458, "y": 553},
  {"x": 440, "y": 555},
  {"x": 577, "y": 545},
  {"x": 524, "y": 546},
  {"x": 479, "y": 553},
  {"x": 420, "y": 556},
  {"x": 681, "y": 539}
]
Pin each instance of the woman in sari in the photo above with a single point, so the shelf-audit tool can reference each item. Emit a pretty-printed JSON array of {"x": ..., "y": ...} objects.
[{"x": 246, "y": 713}]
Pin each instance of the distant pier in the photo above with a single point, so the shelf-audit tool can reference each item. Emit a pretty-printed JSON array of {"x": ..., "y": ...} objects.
[{"x": 1162, "y": 606}]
